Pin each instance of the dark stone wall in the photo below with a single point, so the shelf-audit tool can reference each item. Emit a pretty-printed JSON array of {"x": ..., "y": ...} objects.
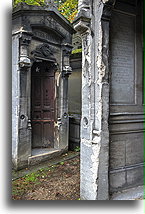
[{"x": 74, "y": 100}]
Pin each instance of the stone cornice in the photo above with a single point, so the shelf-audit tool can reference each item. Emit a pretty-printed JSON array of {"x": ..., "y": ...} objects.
[
  {"x": 23, "y": 9},
  {"x": 82, "y": 24},
  {"x": 83, "y": 18}
]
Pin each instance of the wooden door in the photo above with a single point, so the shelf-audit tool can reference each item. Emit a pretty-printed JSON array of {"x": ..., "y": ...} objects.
[{"x": 42, "y": 97}]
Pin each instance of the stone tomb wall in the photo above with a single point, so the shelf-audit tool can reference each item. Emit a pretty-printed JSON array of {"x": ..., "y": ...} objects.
[
  {"x": 74, "y": 100},
  {"x": 126, "y": 98},
  {"x": 112, "y": 96}
]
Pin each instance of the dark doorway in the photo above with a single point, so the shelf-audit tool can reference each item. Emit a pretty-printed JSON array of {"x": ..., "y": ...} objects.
[{"x": 42, "y": 105}]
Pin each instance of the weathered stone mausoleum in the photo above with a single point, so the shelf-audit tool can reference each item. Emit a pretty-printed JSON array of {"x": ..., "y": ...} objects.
[
  {"x": 41, "y": 46},
  {"x": 112, "y": 96}
]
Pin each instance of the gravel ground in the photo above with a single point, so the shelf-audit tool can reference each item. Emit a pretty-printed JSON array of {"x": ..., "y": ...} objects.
[{"x": 56, "y": 182}]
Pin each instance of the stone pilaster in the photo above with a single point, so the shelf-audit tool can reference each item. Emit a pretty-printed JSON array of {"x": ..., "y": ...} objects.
[
  {"x": 94, "y": 29},
  {"x": 21, "y": 86},
  {"x": 63, "y": 94}
]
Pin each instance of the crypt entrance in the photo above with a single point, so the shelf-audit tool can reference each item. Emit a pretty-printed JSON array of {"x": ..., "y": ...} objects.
[
  {"x": 42, "y": 104},
  {"x": 41, "y": 45}
]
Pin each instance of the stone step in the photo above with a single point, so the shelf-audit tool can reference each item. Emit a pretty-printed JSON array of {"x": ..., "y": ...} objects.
[{"x": 41, "y": 155}]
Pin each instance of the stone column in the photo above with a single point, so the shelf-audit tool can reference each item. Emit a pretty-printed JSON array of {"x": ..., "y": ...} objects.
[
  {"x": 94, "y": 29},
  {"x": 21, "y": 102},
  {"x": 24, "y": 149},
  {"x": 15, "y": 97},
  {"x": 63, "y": 105}
]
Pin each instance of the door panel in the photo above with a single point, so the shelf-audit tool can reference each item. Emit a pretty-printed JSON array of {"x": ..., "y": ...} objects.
[
  {"x": 42, "y": 105},
  {"x": 37, "y": 92},
  {"x": 37, "y": 133}
]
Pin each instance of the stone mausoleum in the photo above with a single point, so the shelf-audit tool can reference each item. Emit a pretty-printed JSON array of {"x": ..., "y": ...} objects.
[
  {"x": 41, "y": 48},
  {"x": 111, "y": 110},
  {"x": 112, "y": 97}
]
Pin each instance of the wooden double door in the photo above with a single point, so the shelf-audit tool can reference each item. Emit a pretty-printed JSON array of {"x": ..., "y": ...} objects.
[{"x": 42, "y": 105}]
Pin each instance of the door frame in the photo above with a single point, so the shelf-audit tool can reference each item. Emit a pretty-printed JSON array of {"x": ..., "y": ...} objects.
[
  {"x": 41, "y": 54},
  {"x": 54, "y": 91}
]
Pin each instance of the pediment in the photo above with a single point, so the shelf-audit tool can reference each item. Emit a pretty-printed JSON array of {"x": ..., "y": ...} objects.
[{"x": 43, "y": 52}]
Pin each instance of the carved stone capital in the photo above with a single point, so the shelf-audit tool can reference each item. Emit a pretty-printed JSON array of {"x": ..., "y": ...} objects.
[
  {"x": 82, "y": 21},
  {"x": 84, "y": 6},
  {"x": 66, "y": 71},
  {"x": 82, "y": 25},
  {"x": 67, "y": 48},
  {"x": 25, "y": 39},
  {"x": 66, "y": 51},
  {"x": 107, "y": 10},
  {"x": 24, "y": 62}
]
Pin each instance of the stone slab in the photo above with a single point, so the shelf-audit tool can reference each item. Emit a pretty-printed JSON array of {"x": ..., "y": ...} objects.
[{"x": 130, "y": 194}]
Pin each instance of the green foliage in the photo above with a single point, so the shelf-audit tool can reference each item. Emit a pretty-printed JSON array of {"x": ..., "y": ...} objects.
[
  {"x": 29, "y": 2},
  {"x": 31, "y": 177},
  {"x": 68, "y": 8},
  {"x": 77, "y": 51},
  {"x": 77, "y": 149},
  {"x": 61, "y": 163}
]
